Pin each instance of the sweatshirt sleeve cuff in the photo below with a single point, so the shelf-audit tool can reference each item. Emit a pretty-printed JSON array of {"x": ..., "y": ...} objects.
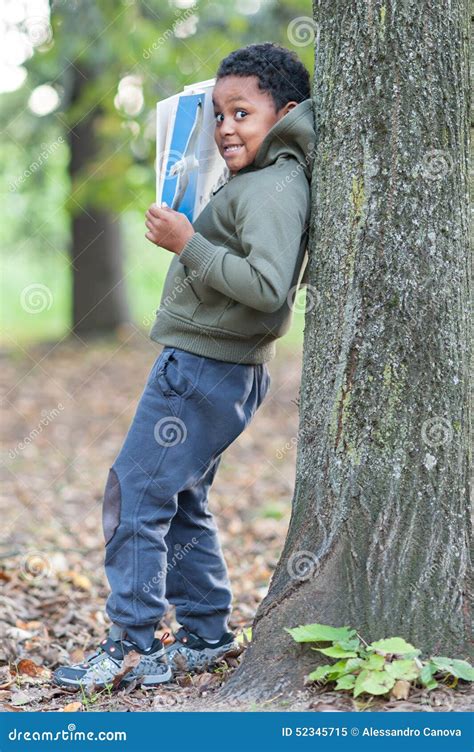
[{"x": 198, "y": 254}]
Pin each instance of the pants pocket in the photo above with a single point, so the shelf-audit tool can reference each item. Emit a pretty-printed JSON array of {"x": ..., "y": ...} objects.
[{"x": 178, "y": 373}]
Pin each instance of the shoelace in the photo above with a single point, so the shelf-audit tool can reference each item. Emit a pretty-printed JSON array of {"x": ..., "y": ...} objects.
[
  {"x": 91, "y": 656},
  {"x": 92, "y": 659}
]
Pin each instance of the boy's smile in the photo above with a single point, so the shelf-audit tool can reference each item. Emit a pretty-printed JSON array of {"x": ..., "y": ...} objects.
[{"x": 244, "y": 115}]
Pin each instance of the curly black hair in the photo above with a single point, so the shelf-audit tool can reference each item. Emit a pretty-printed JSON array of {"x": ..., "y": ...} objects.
[{"x": 280, "y": 71}]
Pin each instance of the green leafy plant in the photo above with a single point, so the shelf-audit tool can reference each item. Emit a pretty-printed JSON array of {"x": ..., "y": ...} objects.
[
  {"x": 89, "y": 699},
  {"x": 245, "y": 636},
  {"x": 379, "y": 667}
]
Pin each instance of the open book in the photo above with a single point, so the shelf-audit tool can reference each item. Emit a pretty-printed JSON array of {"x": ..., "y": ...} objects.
[{"x": 189, "y": 167}]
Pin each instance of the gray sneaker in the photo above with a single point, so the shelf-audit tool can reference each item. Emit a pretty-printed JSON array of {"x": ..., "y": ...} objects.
[
  {"x": 101, "y": 667},
  {"x": 191, "y": 653}
]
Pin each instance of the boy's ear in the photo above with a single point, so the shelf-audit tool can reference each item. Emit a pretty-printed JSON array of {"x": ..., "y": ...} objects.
[{"x": 289, "y": 106}]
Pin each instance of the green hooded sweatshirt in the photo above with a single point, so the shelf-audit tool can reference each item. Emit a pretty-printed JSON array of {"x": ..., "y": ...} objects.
[{"x": 229, "y": 294}]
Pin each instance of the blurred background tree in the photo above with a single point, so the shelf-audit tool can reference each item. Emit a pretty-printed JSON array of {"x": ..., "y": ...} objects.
[{"x": 80, "y": 80}]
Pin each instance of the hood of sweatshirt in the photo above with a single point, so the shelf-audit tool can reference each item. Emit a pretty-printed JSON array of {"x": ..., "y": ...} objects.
[{"x": 293, "y": 135}]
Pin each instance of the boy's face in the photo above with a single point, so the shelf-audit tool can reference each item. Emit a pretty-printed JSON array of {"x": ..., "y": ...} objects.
[{"x": 244, "y": 115}]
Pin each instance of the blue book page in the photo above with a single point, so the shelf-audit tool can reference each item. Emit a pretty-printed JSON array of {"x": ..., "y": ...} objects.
[{"x": 182, "y": 161}]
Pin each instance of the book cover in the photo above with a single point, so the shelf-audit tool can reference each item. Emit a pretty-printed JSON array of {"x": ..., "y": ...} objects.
[
  {"x": 189, "y": 165},
  {"x": 181, "y": 158}
]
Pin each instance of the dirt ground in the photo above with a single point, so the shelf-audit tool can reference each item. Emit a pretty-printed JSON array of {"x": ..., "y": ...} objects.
[{"x": 66, "y": 410}]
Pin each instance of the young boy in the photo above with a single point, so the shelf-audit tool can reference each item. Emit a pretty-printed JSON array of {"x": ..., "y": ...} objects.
[{"x": 226, "y": 299}]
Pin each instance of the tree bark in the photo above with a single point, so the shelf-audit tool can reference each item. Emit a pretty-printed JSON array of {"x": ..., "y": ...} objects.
[
  {"x": 99, "y": 295},
  {"x": 380, "y": 532}
]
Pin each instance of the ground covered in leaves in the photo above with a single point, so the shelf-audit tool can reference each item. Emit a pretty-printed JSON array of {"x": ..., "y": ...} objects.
[{"x": 66, "y": 410}]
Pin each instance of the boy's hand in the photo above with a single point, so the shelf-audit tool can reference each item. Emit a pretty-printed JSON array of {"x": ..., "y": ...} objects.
[{"x": 168, "y": 228}]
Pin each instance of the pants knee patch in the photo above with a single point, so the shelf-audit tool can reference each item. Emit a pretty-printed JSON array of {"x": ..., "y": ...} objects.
[{"x": 112, "y": 505}]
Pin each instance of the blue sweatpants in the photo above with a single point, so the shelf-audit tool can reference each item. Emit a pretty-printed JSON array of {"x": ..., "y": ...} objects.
[{"x": 161, "y": 540}]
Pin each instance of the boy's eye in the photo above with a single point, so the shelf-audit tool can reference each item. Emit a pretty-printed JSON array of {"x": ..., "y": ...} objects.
[{"x": 217, "y": 115}]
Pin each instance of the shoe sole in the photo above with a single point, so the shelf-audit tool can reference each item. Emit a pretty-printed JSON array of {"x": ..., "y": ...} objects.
[{"x": 150, "y": 680}]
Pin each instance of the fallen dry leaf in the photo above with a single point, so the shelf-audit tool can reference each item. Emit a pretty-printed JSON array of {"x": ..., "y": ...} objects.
[
  {"x": 76, "y": 578},
  {"x": 18, "y": 634},
  {"x": 5, "y": 708},
  {"x": 163, "y": 701},
  {"x": 72, "y": 707},
  {"x": 30, "y": 668},
  {"x": 400, "y": 690},
  {"x": 131, "y": 686},
  {"x": 6, "y": 678},
  {"x": 186, "y": 680},
  {"x": 180, "y": 662},
  {"x": 231, "y": 662},
  {"x": 131, "y": 660},
  {"x": 29, "y": 624},
  {"x": 404, "y": 707},
  {"x": 206, "y": 681},
  {"x": 20, "y": 698},
  {"x": 323, "y": 707},
  {"x": 77, "y": 656},
  {"x": 200, "y": 680}
]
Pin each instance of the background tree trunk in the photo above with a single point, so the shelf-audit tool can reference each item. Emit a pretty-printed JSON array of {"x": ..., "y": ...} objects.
[
  {"x": 380, "y": 529},
  {"x": 99, "y": 295}
]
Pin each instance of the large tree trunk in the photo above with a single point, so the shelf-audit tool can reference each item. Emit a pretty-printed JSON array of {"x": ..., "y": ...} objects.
[
  {"x": 99, "y": 295},
  {"x": 380, "y": 529}
]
